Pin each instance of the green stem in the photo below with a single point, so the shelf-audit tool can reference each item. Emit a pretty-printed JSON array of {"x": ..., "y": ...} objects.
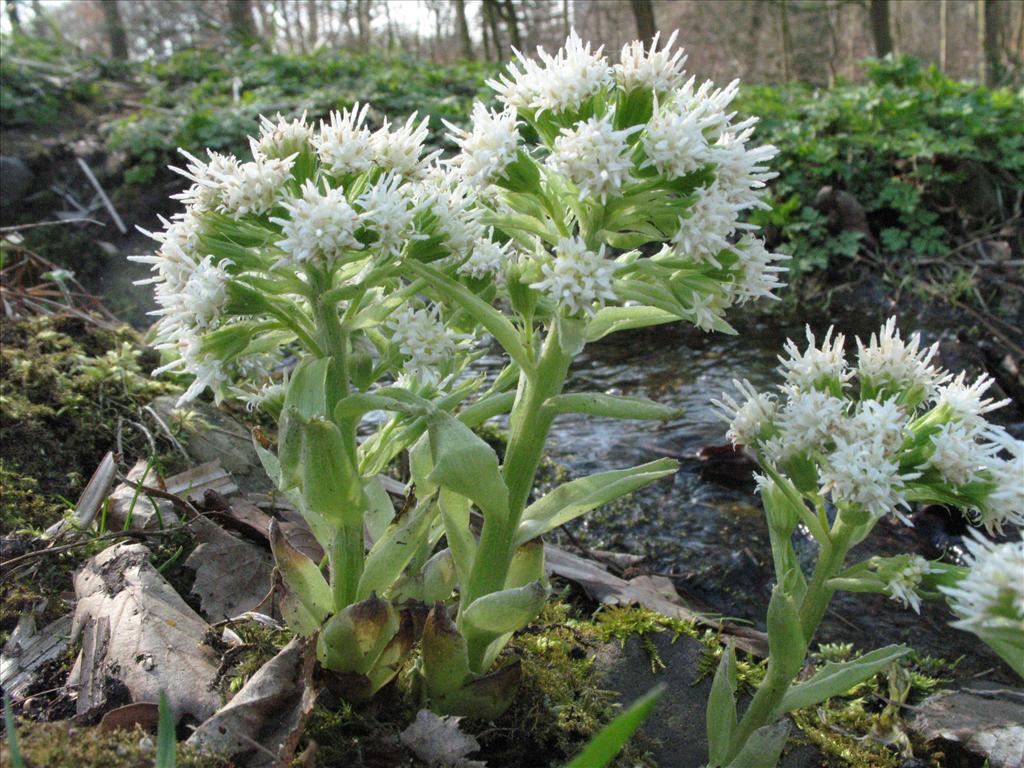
[
  {"x": 345, "y": 556},
  {"x": 763, "y": 707},
  {"x": 530, "y": 423}
]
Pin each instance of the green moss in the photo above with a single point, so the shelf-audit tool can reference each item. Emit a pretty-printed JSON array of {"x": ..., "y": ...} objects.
[{"x": 64, "y": 745}]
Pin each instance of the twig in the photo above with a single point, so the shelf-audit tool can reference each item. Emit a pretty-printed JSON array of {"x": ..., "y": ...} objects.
[
  {"x": 55, "y": 222},
  {"x": 103, "y": 196},
  {"x": 181, "y": 504}
]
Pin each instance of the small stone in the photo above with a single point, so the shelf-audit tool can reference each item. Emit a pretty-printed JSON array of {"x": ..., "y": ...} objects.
[{"x": 146, "y": 744}]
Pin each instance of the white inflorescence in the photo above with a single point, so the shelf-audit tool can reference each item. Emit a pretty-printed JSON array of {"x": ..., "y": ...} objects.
[
  {"x": 344, "y": 143},
  {"x": 674, "y": 141},
  {"x": 814, "y": 366},
  {"x": 873, "y": 446},
  {"x": 746, "y": 420},
  {"x": 576, "y": 278},
  {"x": 559, "y": 83},
  {"x": 594, "y": 156},
  {"x": 658, "y": 71},
  {"x": 903, "y": 585},
  {"x": 760, "y": 275},
  {"x": 991, "y": 595},
  {"x": 401, "y": 150},
  {"x": 281, "y": 139},
  {"x": 888, "y": 361},
  {"x": 488, "y": 147},
  {"x": 253, "y": 187},
  {"x": 488, "y": 258},
  {"x": 205, "y": 192},
  {"x": 424, "y": 341},
  {"x": 389, "y": 213},
  {"x": 320, "y": 225}
]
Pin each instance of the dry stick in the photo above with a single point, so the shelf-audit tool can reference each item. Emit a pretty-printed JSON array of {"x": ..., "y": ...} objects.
[
  {"x": 167, "y": 431},
  {"x": 103, "y": 196},
  {"x": 56, "y": 222}
]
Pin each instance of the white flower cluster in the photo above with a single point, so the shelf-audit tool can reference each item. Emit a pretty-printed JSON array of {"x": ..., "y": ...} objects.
[
  {"x": 320, "y": 225},
  {"x": 594, "y": 156},
  {"x": 488, "y": 147},
  {"x": 281, "y": 139},
  {"x": 487, "y": 258},
  {"x": 344, "y": 144},
  {"x": 872, "y": 445},
  {"x": 991, "y": 595},
  {"x": 577, "y": 279},
  {"x": 651, "y": 69},
  {"x": 424, "y": 342},
  {"x": 904, "y": 584}
]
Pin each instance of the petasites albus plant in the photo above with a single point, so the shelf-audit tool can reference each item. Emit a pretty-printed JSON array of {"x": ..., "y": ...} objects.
[{"x": 841, "y": 446}]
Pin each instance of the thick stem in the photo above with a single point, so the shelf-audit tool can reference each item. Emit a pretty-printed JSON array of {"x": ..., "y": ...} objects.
[
  {"x": 346, "y": 560},
  {"x": 530, "y": 423}
]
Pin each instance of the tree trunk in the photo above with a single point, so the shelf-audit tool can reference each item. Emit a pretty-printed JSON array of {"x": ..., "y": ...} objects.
[
  {"x": 643, "y": 12},
  {"x": 787, "y": 42},
  {"x": 566, "y": 19},
  {"x": 508, "y": 13},
  {"x": 314, "y": 23},
  {"x": 989, "y": 38},
  {"x": 243, "y": 27},
  {"x": 460, "y": 19},
  {"x": 13, "y": 17},
  {"x": 881, "y": 30},
  {"x": 490, "y": 17},
  {"x": 116, "y": 35},
  {"x": 943, "y": 34},
  {"x": 363, "y": 20}
]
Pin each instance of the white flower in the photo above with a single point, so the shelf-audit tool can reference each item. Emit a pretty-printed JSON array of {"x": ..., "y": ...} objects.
[
  {"x": 389, "y": 213},
  {"x": 176, "y": 257},
  {"x": 746, "y": 421},
  {"x": 253, "y": 187},
  {"x": 674, "y": 141},
  {"x": 897, "y": 366},
  {"x": 401, "y": 150},
  {"x": 705, "y": 309},
  {"x": 705, "y": 232},
  {"x": 281, "y": 139},
  {"x": 209, "y": 372},
  {"x": 759, "y": 275},
  {"x": 710, "y": 103},
  {"x": 658, "y": 71},
  {"x": 577, "y": 278},
  {"x": 205, "y": 193},
  {"x": 488, "y": 147},
  {"x": 561, "y": 82},
  {"x": 594, "y": 156},
  {"x": 424, "y": 341},
  {"x": 740, "y": 172},
  {"x": 886, "y": 421},
  {"x": 344, "y": 144},
  {"x": 958, "y": 456},
  {"x": 807, "y": 421},
  {"x": 815, "y": 366},
  {"x": 1005, "y": 504},
  {"x": 454, "y": 206},
  {"x": 488, "y": 258},
  {"x": 320, "y": 225},
  {"x": 965, "y": 401},
  {"x": 862, "y": 473},
  {"x": 991, "y": 595},
  {"x": 201, "y": 301},
  {"x": 903, "y": 585}
]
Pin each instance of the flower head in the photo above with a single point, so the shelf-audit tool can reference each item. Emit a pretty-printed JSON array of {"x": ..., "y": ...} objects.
[
  {"x": 401, "y": 150},
  {"x": 904, "y": 583},
  {"x": 205, "y": 192},
  {"x": 388, "y": 211},
  {"x": 577, "y": 278},
  {"x": 282, "y": 138},
  {"x": 658, "y": 71},
  {"x": 344, "y": 144},
  {"x": 747, "y": 420},
  {"x": 1005, "y": 465},
  {"x": 253, "y": 187},
  {"x": 674, "y": 141},
  {"x": 816, "y": 366},
  {"x": 966, "y": 401},
  {"x": 991, "y": 595},
  {"x": 424, "y": 341},
  {"x": 863, "y": 473},
  {"x": 888, "y": 363},
  {"x": 487, "y": 258},
  {"x": 488, "y": 147},
  {"x": 594, "y": 156},
  {"x": 759, "y": 271},
  {"x": 320, "y": 225}
]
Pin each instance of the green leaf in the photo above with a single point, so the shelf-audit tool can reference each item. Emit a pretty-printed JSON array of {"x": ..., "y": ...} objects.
[
  {"x": 505, "y": 611},
  {"x": 613, "y": 319},
  {"x": 494, "y": 321},
  {"x": 569, "y": 501},
  {"x": 464, "y": 463},
  {"x": 615, "y": 406},
  {"x": 330, "y": 483},
  {"x": 763, "y": 748},
  {"x": 309, "y": 596},
  {"x": 610, "y": 740},
  {"x": 455, "y": 514},
  {"x": 787, "y": 646},
  {"x": 835, "y": 679},
  {"x": 12, "y": 733},
  {"x": 395, "y": 548},
  {"x": 380, "y": 511},
  {"x": 721, "y": 718},
  {"x": 166, "y": 743}
]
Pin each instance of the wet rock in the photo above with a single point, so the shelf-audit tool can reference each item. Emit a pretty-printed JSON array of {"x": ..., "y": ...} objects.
[
  {"x": 15, "y": 180},
  {"x": 974, "y": 726},
  {"x": 212, "y": 435},
  {"x": 678, "y": 725}
]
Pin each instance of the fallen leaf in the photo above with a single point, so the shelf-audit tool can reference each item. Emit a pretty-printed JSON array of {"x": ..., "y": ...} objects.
[
  {"x": 139, "y": 636},
  {"x": 232, "y": 575},
  {"x": 92, "y": 498},
  {"x": 144, "y": 714},
  {"x": 265, "y": 719},
  {"x": 656, "y": 593},
  {"x": 438, "y": 740}
]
